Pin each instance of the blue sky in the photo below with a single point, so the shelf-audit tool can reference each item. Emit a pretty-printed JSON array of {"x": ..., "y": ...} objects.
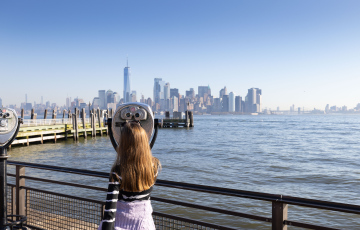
[{"x": 304, "y": 52}]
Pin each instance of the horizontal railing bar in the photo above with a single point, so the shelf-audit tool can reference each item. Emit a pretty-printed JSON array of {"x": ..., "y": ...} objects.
[
  {"x": 321, "y": 204},
  {"x": 34, "y": 227},
  {"x": 334, "y": 206},
  {"x": 63, "y": 195},
  {"x": 192, "y": 221},
  {"x": 64, "y": 183},
  {"x": 308, "y": 226},
  {"x": 61, "y": 169},
  {"x": 220, "y": 191},
  {"x": 249, "y": 216}
]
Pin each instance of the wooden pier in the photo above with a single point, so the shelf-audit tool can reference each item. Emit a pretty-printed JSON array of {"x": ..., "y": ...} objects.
[
  {"x": 177, "y": 120},
  {"x": 75, "y": 125}
]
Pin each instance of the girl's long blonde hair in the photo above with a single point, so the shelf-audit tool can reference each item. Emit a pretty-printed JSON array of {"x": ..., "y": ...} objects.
[{"x": 134, "y": 161}]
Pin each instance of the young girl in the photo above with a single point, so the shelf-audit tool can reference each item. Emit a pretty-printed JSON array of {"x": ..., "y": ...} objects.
[{"x": 131, "y": 181}]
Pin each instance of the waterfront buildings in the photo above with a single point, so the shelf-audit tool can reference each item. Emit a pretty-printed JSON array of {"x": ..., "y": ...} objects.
[
  {"x": 127, "y": 92},
  {"x": 253, "y": 101},
  {"x": 102, "y": 99},
  {"x": 190, "y": 93},
  {"x": 204, "y": 91},
  {"x": 223, "y": 92}
]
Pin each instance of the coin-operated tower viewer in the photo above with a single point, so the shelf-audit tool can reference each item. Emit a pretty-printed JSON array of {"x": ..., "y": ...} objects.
[{"x": 9, "y": 128}]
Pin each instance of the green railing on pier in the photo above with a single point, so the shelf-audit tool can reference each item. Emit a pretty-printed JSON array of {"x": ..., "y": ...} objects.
[{"x": 46, "y": 209}]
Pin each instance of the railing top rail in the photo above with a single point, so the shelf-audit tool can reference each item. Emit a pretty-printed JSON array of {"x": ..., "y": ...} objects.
[{"x": 211, "y": 189}]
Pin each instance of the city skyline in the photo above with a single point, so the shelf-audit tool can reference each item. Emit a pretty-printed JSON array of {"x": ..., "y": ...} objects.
[{"x": 300, "y": 52}]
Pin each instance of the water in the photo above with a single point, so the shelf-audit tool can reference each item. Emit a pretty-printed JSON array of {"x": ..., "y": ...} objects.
[{"x": 315, "y": 157}]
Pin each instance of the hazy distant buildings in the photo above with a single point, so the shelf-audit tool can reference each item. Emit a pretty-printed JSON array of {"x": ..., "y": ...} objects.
[
  {"x": 174, "y": 92},
  {"x": 253, "y": 101},
  {"x": 204, "y": 91},
  {"x": 116, "y": 97},
  {"x": 327, "y": 108},
  {"x": 28, "y": 106},
  {"x": 231, "y": 102},
  {"x": 96, "y": 103},
  {"x": 190, "y": 93},
  {"x": 167, "y": 96},
  {"x": 133, "y": 96},
  {"x": 225, "y": 103},
  {"x": 238, "y": 104},
  {"x": 174, "y": 104},
  {"x": 158, "y": 90},
  {"x": 109, "y": 97},
  {"x": 102, "y": 99},
  {"x": 1, "y": 103},
  {"x": 127, "y": 92},
  {"x": 223, "y": 92},
  {"x": 67, "y": 103}
]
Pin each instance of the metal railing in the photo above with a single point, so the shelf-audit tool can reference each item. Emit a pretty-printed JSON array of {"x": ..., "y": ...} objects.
[
  {"x": 45, "y": 122},
  {"x": 54, "y": 210}
]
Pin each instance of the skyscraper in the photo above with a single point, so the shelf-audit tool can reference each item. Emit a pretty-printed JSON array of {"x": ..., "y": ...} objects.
[
  {"x": 223, "y": 92},
  {"x": 133, "y": 96},
  {"x": 231, "y": 102},
  {"x": 238, "y": 104},
  {"x": 174, "y": 92},
  {"x": 158, "y": 90},
  {"x": 167, "y": 95},
  {"x": 102, "y": 99},
  {"x": 109, "y": 97},
  {"x": 190, "y": 93},
  {"x": 127, "y": 92},
  {"x": 116, "y": 97},
  {"x": 67, "y": 103},
  {"x": 202, "y": 90},
  {"x": 96, "y": 103},
  {"x": 225, "y": 103},
  {"x": 1, "y": 102},
  {"x": 253, "y": 104}
]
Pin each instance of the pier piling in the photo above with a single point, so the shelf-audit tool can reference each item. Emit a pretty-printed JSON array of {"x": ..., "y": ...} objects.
[{"x": 83, "y": 116}]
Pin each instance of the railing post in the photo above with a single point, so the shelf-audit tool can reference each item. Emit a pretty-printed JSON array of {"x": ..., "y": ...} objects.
[
  {"x": 279, "y": 214},
  {"x": 20, "y": 192}
]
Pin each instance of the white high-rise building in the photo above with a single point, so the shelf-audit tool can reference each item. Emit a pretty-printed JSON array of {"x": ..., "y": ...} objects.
[
  {"x": 127, "y": 92},
  {"x": 231, "y": 102},
  {"x": 167, "y": 95}
]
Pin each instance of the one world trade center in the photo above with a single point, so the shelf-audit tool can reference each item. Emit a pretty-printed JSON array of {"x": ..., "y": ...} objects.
[{"x": 127, "y": 83}]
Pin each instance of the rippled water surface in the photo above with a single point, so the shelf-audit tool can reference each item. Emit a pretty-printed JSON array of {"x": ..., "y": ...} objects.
[{"x": 315, "y": 157}]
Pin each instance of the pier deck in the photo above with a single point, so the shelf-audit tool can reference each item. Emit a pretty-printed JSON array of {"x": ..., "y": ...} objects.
[{"x": 39, "y": 134}]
